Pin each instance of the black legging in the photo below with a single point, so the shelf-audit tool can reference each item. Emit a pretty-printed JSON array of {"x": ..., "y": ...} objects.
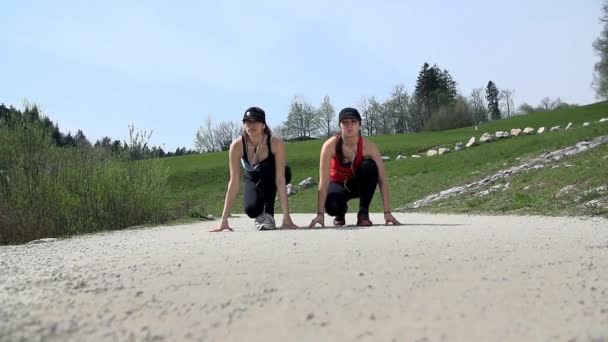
[
  {"x": 261, "y": 189},
  {"x": 363, "y": 185}
]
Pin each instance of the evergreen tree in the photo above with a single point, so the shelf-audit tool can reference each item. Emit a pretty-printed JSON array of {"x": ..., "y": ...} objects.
[
  {"x": 492, "y": 97},
  {"x": 600, "y": 77},
  {"x": 434, "y": 88}
]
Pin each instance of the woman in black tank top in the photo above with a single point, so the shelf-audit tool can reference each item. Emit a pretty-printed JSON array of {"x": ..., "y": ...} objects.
[{"x": 262, "y": 158}]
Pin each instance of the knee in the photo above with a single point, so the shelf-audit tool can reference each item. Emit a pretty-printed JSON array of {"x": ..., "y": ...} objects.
[
  {"x": 253, "y": 210},
  {"x": 335, "y": 205},
  {"x": 369, "y": 168}
]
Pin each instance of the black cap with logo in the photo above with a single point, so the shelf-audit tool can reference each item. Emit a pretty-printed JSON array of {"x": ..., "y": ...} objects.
[
  {"x": 349, "y": 112},
  {"x": 255, "y": 113}
]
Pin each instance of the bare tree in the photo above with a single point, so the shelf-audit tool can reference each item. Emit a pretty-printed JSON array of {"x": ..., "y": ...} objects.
[
  {"x": 398, "y": 105},
  {"x": 211, "y": 137},
  {"x": 302, "y": 120},
  {"x": 225, "y": 132},
  {"x": 546, "y": 104},
  {"x": 368, "y": 116},
  {"x": 506, "y": 101},
  {"x": 478, "y": 105},
  {"x": 280, "y": 131},
  {"x": 205, "y": 137},
  {"x": 327, "y": 114},
  {"x": 379, "y": 111}
]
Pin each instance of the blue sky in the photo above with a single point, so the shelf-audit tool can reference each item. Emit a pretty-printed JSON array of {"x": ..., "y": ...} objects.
[{"x": 164, "y": 66}]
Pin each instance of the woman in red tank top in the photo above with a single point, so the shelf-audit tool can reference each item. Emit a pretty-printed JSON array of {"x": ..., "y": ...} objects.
[{"x": 350, "y": 167}]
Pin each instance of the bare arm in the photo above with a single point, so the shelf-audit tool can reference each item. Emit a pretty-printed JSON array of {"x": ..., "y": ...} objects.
[
  {"x": 234, "y": 155},
  {"x": 280, "y": 154},
  {"x": 371, "y": 150},
  {"x": 327, "y": 152}
]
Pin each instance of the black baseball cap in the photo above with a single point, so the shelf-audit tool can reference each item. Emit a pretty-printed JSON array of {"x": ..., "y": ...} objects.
[
  {"x": 255, "y": 113},
  {"x": 349, "y": 112}
]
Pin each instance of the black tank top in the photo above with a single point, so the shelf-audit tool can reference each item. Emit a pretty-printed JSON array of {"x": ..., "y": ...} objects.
[{"x": 266, "y": 166}]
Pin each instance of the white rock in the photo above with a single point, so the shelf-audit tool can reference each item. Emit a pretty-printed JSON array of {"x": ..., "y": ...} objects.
[
  {"x": 415, "y": 156},
  {"x": 555, "y": 128},
  {"x": 291, "y": 190},
  {"x": 541, "y": 130},
  {"x": 443, "y": 150},
  {"x": 458, "y": 146},
  {"x": 502, "y": 134},
  {"x": 471, "y": 142},
  {"x": 603, "y": 119},
  {"x": 486, "y": 137},
  {"x": 587, "y": 123},
  {"x": 515, "y": 132},
  {"x": 307, "y": 183},
  {"x": 386, "y": 158},
  {"x": 431, "y": 153},
  {"x": 569, "y": 126},
  {"x": 528, "y": 130},
  {"x": 399, "y": 157}
]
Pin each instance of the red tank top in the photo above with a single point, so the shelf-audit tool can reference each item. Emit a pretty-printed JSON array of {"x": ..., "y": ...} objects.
[{"x": 341, "y": 173}]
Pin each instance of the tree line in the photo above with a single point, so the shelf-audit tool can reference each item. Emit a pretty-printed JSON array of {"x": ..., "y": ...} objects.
[
  {"x": 137, "y": 148},
  {"x": 435, "y": 104}
]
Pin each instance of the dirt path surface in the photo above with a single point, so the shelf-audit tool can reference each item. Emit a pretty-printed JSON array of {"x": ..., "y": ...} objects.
[{"x": 437, "y": 277}]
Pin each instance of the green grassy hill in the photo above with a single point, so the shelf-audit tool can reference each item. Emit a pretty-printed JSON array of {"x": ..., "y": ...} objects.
[{"x": 198, "y": 182}]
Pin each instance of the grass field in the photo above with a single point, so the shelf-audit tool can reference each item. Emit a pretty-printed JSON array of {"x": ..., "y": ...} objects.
[{"x": 198, "y": 182}]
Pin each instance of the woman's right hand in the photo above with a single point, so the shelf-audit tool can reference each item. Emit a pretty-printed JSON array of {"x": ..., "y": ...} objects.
[{"x": 223, "y": 226}]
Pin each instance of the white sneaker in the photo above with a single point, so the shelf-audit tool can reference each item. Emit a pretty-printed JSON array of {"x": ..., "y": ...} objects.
[{"x": 265, "y": 222}]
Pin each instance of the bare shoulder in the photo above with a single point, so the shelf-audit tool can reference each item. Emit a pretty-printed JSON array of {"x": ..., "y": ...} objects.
[
  {"x": 276, "y": 141},
  {"x": 330, "y": 145},
  {"x": 331, "y": 142},
  {"x": 370, "y": 149},
  {"x": 236, "y": 145}
]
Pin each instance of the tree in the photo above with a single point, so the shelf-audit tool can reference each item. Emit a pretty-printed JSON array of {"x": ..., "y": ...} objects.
[
  {"x": 327, "y": 114},
  {"x": 492, "y": 97},
  {"x": 451, "y": 116},
  {"x": 302, "y": 120},
  {"x": 546, "y": 104},
  {"x": 479, "y": 110},
  {"x": 205, "y": 137},
  {"x": 280, "y": 131},
  {"x": 379, "y": 110},
  {"x": 600, "y": 76},
  {"x": 434, "y": 88},
  {"x": 368, "y": 116},
  {"x": 398, "y": 105},
  {"x": 211, "y": 137},
  {"x": 506, "y": 101},
  {"x": 526, "y": 108},
  {"x": 226, "y": 132},
  {"x": 81, "y": 140}
]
